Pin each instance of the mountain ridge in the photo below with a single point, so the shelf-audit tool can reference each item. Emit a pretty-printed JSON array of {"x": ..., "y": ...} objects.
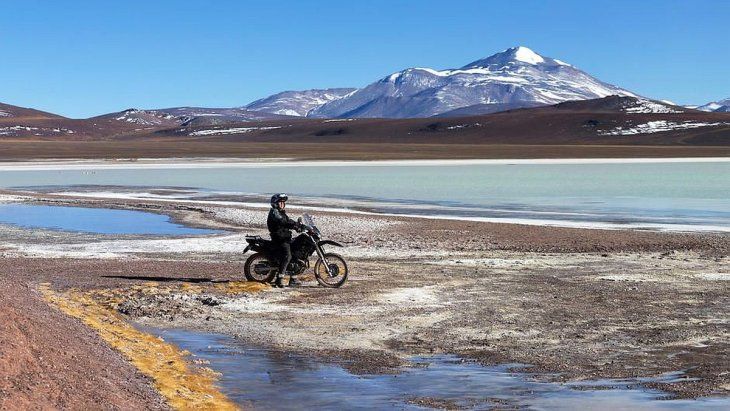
[
  {"x": 298, "y": 103},
  {"x": 720, "y": 106}
]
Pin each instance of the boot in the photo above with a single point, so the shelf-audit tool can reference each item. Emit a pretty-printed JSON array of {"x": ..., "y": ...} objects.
[
  {"x": 279, "y": 282},
  {"x": 294, "y": 281}
]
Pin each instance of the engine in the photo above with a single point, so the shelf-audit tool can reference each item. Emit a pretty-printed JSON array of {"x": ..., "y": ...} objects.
[{"x": 298, "y": 266}]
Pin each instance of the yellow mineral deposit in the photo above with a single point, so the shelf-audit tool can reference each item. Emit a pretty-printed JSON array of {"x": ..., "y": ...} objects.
[
  {"x": 235, "y": 287},
  {"x": 183, "y": 385}
]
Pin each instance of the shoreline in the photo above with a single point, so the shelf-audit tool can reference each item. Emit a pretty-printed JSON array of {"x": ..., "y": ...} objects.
[
  {"x": 365, "y": 210},
  {"x": 203, "y": 214},
  {"x": 307, "y": 149},
  {"x": 214, "y": 162}
]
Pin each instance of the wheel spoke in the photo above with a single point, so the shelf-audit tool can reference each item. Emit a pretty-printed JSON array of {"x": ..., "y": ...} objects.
[{"x": 331, "y": 271}]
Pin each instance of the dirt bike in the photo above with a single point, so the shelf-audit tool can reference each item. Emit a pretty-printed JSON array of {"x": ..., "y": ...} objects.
[{"x": 330, "y": 268}]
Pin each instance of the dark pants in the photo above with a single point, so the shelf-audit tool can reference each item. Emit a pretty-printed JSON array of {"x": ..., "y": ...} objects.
[{"x": 284, "y": 249}]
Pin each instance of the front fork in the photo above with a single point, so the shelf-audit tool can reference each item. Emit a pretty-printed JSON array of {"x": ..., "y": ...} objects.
[{"x": 320, "y": 253}]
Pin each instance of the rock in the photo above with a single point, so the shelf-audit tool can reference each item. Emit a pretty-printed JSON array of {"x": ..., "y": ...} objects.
[{"x": 210, "y": 300}]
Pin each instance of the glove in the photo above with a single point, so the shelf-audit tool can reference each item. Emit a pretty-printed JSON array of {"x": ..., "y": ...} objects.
[{"x": 300, "y": 228}]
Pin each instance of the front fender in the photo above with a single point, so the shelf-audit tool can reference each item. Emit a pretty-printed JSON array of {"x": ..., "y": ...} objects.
[{"x": 329, "y": 242}]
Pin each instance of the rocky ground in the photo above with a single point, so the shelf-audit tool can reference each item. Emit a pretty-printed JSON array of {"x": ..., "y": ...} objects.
[{"x": 575, "y": 304}]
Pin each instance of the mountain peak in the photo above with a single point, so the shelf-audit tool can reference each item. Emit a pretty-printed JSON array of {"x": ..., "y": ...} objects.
[
  {"x": 519, "y": 55},
  {"x": 525, "y": 55}
]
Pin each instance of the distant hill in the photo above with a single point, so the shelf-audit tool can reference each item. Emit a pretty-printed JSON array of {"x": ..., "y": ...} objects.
[
  {"x": 176, "y": 116},
  {"x": 719, "y": 106},
  {"x": 298, "y": 103},
  {"x": 7, "y": 111},
  {"x": 610, "y": 120},
  {"x": 27, "y": 123}
]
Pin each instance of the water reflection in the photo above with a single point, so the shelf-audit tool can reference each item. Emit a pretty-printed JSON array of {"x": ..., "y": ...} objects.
[{"x": 274, "y": 380}]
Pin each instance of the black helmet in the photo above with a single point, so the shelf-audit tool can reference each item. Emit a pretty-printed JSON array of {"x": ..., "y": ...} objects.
[{"x": 278, "y": 197}]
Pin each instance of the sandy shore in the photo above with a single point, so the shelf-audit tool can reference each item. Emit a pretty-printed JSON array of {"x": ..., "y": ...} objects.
[
  {"x": 205, "y": 162},
  {"x": 25, "y": 149},
  {"x": 574, "y": 303}
]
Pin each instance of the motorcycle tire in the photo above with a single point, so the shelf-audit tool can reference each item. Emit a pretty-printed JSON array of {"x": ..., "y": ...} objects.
[
  {"x": 338, "y": 267},
  {"x": 258, "y": 268}
]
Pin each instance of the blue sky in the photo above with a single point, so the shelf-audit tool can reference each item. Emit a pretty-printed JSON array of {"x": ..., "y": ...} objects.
[{"x": 82, "y": 58}]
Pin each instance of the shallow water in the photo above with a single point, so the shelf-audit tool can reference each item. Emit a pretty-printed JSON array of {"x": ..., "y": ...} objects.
[
  {"x": 274, "y": 380},
  {"x": 93, "y": 220},
  {"x": 647, "y": 195}
]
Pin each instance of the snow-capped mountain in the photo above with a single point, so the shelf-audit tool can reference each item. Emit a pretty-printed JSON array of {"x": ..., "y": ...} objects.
[
  {"x": 721, "y": 106},
  {"x": 298, "y": 103},
  {"x": 516, "y": 77}
]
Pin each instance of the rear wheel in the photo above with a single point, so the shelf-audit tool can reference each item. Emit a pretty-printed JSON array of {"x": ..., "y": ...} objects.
[
  {"x": 337, "y": 271},
  {"x": 258, "y": 268}
]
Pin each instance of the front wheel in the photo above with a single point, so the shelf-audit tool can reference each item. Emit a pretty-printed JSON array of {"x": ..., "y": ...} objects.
[
  {"x": 258, "y": 268},
  {"x": 337, "y": 273}
]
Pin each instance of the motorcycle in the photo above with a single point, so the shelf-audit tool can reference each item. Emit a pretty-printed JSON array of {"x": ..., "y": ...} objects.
[{"x": 330, "y": 269}]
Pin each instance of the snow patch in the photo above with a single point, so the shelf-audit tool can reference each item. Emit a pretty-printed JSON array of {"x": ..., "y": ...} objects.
[
  {"x": 144, "y": 117},
  {"x": 38, "y": 131},
  {"x": 528, "y": 56},
  {"x": 458, "y": 126},
  {"x": 5, "y": 114},
  {"x": 237, "y": 130},
  {"x": 393, "y": 77},
  {"x": 648, "y": 106},
  {"x": 658, "y": 127},
  {"x": 288, "y": 112}
]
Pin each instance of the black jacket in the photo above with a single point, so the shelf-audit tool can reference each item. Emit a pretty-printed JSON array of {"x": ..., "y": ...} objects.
[{"x": 280, "y": 225}]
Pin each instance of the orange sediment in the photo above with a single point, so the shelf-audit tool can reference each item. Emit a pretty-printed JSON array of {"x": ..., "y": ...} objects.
[
  {"x": 235, "y": 287},
  {"x": 183, "y": 385}
]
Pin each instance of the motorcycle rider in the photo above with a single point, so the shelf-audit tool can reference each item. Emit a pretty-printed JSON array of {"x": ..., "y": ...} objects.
[{"x": 280, "y": 226}]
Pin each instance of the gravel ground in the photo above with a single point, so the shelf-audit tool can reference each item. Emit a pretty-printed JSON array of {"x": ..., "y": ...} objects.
[
  {"x": 51, "y": 361},
  {"x": 574, "y": 303}
]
